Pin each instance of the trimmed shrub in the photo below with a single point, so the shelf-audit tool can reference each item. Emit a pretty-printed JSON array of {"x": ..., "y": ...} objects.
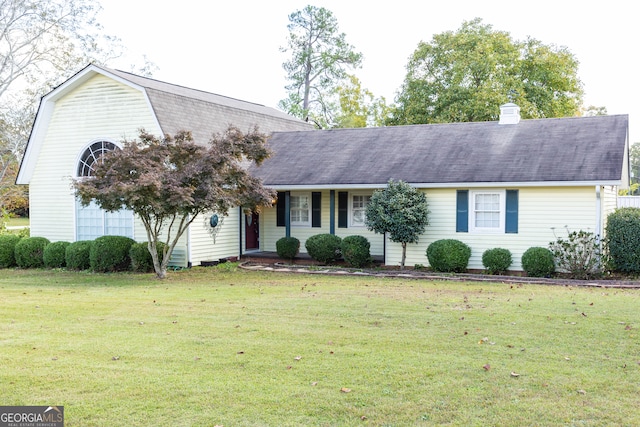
[
  {"x": 538, "y": 262},
  {"x": 141, "y": 261},
  {"x": 54, "y": 254},
  {"x": 449, "y": 256},
  {"x": 76, "y": 255},
  {"x": 110, "y": 253},
  {"x": 8, "y": 250},
  {"x": 623, "y": 240},
  {"x": 29, "y": 252},
  {"x": 324, "y": 248},
  {"x": 496, "y": 260},
  {"x": 288, "y": 248},
  {"x": 356, "y": 251}
]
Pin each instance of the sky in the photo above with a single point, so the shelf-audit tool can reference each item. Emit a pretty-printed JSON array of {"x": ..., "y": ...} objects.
[{"x": 232, "y": 48}]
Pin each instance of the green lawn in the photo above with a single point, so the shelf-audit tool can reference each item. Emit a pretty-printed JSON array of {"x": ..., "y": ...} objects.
[{"x": 213, "y": 347}]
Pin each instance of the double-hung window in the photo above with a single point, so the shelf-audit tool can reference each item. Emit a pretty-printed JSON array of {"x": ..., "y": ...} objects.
[
  {"x": 300, "y": 209},
  {"x": 359, "y": 209},
  {"x": 487, "y": 211}
]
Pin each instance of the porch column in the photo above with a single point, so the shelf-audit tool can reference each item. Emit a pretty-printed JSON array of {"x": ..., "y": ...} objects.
[{"x": 332, "y": 211}]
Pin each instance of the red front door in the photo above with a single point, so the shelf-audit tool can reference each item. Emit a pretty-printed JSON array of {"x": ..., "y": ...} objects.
[{"x": 252, "y": 230}]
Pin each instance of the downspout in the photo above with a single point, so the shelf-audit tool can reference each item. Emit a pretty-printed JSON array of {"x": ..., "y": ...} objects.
[
  {"x": 287, "y": 213},
  {"x": 598, "y": 211}
]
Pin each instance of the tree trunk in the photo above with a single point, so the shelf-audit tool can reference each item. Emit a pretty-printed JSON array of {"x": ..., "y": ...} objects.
[{"x": 404, "y": 255}]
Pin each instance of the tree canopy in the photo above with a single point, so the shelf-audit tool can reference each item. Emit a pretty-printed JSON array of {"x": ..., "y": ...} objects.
[
  {"x": 399, "y": 210},
  {"x": 167, "y": 182},
  {"x": 466, "y": 75},
  {"x": 320, "y": 57}
]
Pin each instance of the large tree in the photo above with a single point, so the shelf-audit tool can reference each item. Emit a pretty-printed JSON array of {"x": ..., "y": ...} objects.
[
  {"x": 464, "y": 76},
  {"x": 320, "y": 58},
  {"x": 41, "y": 44},
  {"x": 358, "y": 107},
  {"x": 399, "y": 210},
  {"x": 167, "y": 182}
]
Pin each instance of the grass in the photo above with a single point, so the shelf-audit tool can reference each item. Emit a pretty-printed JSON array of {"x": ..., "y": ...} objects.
[
  {"x": 18, "y": 222},
  {"x": 215, "y": 346}
]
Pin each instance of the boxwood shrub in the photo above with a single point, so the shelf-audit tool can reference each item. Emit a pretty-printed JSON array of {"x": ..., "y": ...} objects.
[
  {"x": 496, "y": 260},
  {"x": 356, "y": 251},
  {"x": 449, "y": 256},
  {"x": 324, "y": 248},
  {"x": 623, "y": 240},
  {"x": 7, "y": 250},
  {"x": 54, "y": 254},
  {"x": 538, "y": 262},
  {"x": 288, "y": 247},
  {"x": 110, "y": 253},
  {"x": 141, "y": 261},
  {"x": 29, "y": 252},
  {"x": 76, "y": 255}
]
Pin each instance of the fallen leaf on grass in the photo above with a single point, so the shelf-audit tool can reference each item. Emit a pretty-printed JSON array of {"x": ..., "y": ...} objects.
[
  {"x": 363, "y": 418},
  {"x": 513, "y": 374},
  {"x": 627, "y": 328},
  {"x": 315, "y": 383},
  {"x": 486, "y": 367},
  {"x": 582, "y": 392},
  {"x": 345, "y": 390},
  {"x": 297, "y": 357},
  {"x": 115, "y": 358}
]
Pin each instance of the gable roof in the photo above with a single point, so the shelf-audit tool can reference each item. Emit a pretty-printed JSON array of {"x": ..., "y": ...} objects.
[
  {"x": 563, "y": 151},
  {"x": 175, "y": 108}
]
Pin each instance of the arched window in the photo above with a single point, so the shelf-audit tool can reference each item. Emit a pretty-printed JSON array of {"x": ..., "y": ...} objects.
[
  {"x": 91, "y": 221},
  {"x": 91, "y": 156}
]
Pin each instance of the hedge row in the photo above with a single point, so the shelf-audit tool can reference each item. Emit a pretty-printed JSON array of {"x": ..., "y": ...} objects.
[{"x": 104, "y": 254}]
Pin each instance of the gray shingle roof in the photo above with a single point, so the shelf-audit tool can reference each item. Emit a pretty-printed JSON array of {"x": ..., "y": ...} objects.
[
  {"x": 544, "y": 150},
  {"x": 203, "y": 113}
]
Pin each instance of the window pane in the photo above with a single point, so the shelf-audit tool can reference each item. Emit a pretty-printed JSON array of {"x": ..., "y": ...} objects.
[
  {"x": 299, "y": 206},
  {"x": 487, "y": 210}
]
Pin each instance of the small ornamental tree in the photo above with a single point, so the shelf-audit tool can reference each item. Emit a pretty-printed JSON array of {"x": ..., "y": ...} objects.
[
  {"x": 399, "y": 210},
  {"x": 167, "y": 182}
]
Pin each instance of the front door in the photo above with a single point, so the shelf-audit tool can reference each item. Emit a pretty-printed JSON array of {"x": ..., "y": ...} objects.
[{"x": 252, "y": 230}]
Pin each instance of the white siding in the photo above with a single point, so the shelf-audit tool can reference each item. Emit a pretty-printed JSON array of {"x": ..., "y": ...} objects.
[
  {"x": 211, "y": 244},
  {"x": 544, "y": 214},
  {"x": 100, "y": 109}
]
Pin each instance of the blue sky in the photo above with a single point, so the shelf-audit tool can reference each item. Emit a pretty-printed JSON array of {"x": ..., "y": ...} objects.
[{"x": 232, "y": 48}]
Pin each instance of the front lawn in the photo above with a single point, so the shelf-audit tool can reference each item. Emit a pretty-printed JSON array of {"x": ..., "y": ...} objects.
[{"x": 212, "y": 346}]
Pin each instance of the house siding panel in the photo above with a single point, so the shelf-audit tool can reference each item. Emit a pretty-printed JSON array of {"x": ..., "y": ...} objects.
[
  {"x": 100, "y": 109},
  {"x": 212, "y": 244}
]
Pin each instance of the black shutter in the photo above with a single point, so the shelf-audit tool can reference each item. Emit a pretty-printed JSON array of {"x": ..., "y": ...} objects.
[
  {"x": 462, "y": 211},
  {"x": 280, "y": 210},
  {"x": 343, "y": 208},
  {"x": 316, "y": 201}
]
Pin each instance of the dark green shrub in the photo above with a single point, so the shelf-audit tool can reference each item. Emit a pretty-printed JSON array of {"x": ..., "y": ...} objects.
[
  {"x": 356, "y": 251},
  {"x": 29, "y": 252},
  {"x": 449, "y": 256},
  {"x": 288, "y": 248},
  {"x": 8, "y": 250},
  {"x": 623, "y": 240},
  {"x": 324, "y": 248},
  {"x": 496, "y": 260},
  {"x": 538, "y": 262},
  {"x": 578, "y": 254},
  {"x": 76, "y": 255},
  {"x": 141, "y": 260},
  {"x": 110, "y": 253},
  {"x": 54, "y": 254}
]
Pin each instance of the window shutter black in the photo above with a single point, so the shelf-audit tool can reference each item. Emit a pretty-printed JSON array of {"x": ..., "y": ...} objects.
[
  {"x": 343, "y": 208},
  {"x": 280, "y": 210},
  {"x": 511, "y": 219},
  {"x": 462, "y": 211},
  {"x": 316, "y": 201}
]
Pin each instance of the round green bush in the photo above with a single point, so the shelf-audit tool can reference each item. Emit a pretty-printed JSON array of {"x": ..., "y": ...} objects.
[
  {"x": 496, "y": 260},
  {"x": 29, "y": 252},
  {"x": 76, "y": 255},
  {"x": 449, "y": 256},
  {"x": 356, "y": 251},
  {"x": 110, "y": 253},
  {"x": 324, "y": 248},
  {"x": 538, "y": 262},
  {"x": 8, "y": 249},
  {"x": 141, "y": 260},
  {"x": 623, "y": 240},
  {"x": 54, "y": 254},
  {"x": 288, "y": 247}
]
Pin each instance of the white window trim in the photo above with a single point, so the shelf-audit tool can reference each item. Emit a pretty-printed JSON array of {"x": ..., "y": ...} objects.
[
  {"x": 301, "y": 223},
  {"x": 351, "y": 209},
  {"x": 472, "y": 212}
]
